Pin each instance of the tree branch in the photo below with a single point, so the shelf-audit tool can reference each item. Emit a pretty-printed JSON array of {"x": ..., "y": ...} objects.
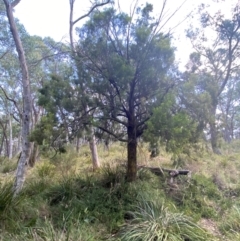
[
  {"x": 73, "y": 22},
  {"x": 15, "y": 3},
  {"x": 12, "y": 100},
  {"x": 112, "y": 134},
  {"x": 1, "y": 57},
  {"x": 91, "y": 10}
]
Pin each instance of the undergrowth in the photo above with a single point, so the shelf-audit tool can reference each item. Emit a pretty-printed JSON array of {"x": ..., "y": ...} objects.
[{"x": 64, "y": 200}]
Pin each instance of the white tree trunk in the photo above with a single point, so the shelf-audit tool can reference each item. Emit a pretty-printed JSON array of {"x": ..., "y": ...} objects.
[
  {"x": 26, "y": 114},
  {"x": 94, "y": 152}
]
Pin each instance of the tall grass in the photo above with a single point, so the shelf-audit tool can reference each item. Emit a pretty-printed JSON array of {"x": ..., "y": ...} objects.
[
  {"x": 47, "y": 232},
  {"x": 9, "y": 206},
  {"x": 230, "y": 225}
]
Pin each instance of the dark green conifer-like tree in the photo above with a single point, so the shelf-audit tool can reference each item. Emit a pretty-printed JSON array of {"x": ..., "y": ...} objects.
[{"x": 128, "y": 60}]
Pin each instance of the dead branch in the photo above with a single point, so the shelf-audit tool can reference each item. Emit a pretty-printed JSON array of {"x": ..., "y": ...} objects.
[{"x": 160, "y": 171}]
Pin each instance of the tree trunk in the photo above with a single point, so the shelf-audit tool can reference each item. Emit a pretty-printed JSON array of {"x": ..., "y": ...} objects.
[
  {"x": 5, "y": 146},
  {"x": 131, "y": 154},
  {"x": 26, "y": 115},
  {"x": 94, "y": 152},
  {"x": 214, "y": 136},
  {"x": 106, "y": 144},
  {"x": 227, "y": 134},
  {"x": 1, "y": 146},
  {"x": 34, "y": 154},
  {"x": 10, "y": 148},
  {"x": 213, "y": 133}
]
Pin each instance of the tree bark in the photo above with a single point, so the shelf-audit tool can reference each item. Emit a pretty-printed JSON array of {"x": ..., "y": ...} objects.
[
  {"x": 214, "y": 138},
  {"x": 34, "y": 154},
  {"x": 131, "y": 154},
  {"x": 94, "y": 152},
  {"x": 5, "y": 145},
  {"x": 26, "y": 116}
]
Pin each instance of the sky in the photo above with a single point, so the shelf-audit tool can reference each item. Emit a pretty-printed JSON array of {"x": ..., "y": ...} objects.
[{"x": 51, "y": 18}]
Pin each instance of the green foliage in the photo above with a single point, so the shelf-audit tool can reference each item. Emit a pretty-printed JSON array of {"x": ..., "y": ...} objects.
[
  {"x": 171, "y": 127},
  {"x": 66, "y": 108},
  {"x": 48, "y": 135},
  {"x": 153, "y": 221},
  {"x": 130, "y": 68},
  {"x": 43, "y": 130}
]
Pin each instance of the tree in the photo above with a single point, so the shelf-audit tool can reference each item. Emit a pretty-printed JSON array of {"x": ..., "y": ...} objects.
[
  {"x": 128, "y": 62},
  {"x": 73, "y": 22},
  {"x": 96, "y": 5},
  {"x": 215, "y": 61},
  {"x": 26, "y": 117},
  {"x": 172, "y": 126},
  {"x": 228, "y": 106},
  {"x": 61, "y": 122},
  {"x": 9, "y": 68}
]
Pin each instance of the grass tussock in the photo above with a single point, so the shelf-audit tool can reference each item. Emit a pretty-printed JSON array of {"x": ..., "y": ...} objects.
[{"x": 154, "y": 221}]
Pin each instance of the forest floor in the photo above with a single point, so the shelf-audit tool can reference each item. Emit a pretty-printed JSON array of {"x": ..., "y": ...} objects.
[{"x": 63, "y": 199}]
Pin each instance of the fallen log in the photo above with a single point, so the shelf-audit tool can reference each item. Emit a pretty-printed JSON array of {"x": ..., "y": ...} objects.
[{"x": 160, "y": 171}]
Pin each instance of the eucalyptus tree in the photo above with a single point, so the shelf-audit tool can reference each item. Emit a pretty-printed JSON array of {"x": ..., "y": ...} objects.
[
  {"x": 9, "y": 73},
  {"x": 26, "y": 114},
  {"x": 229, "y": 109},
  {"x": 44, "y": 56},
  {"x": 127, "y": 59},
  {"x": 215, "y": 61},
  {"x": 227, "y": 106}
]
